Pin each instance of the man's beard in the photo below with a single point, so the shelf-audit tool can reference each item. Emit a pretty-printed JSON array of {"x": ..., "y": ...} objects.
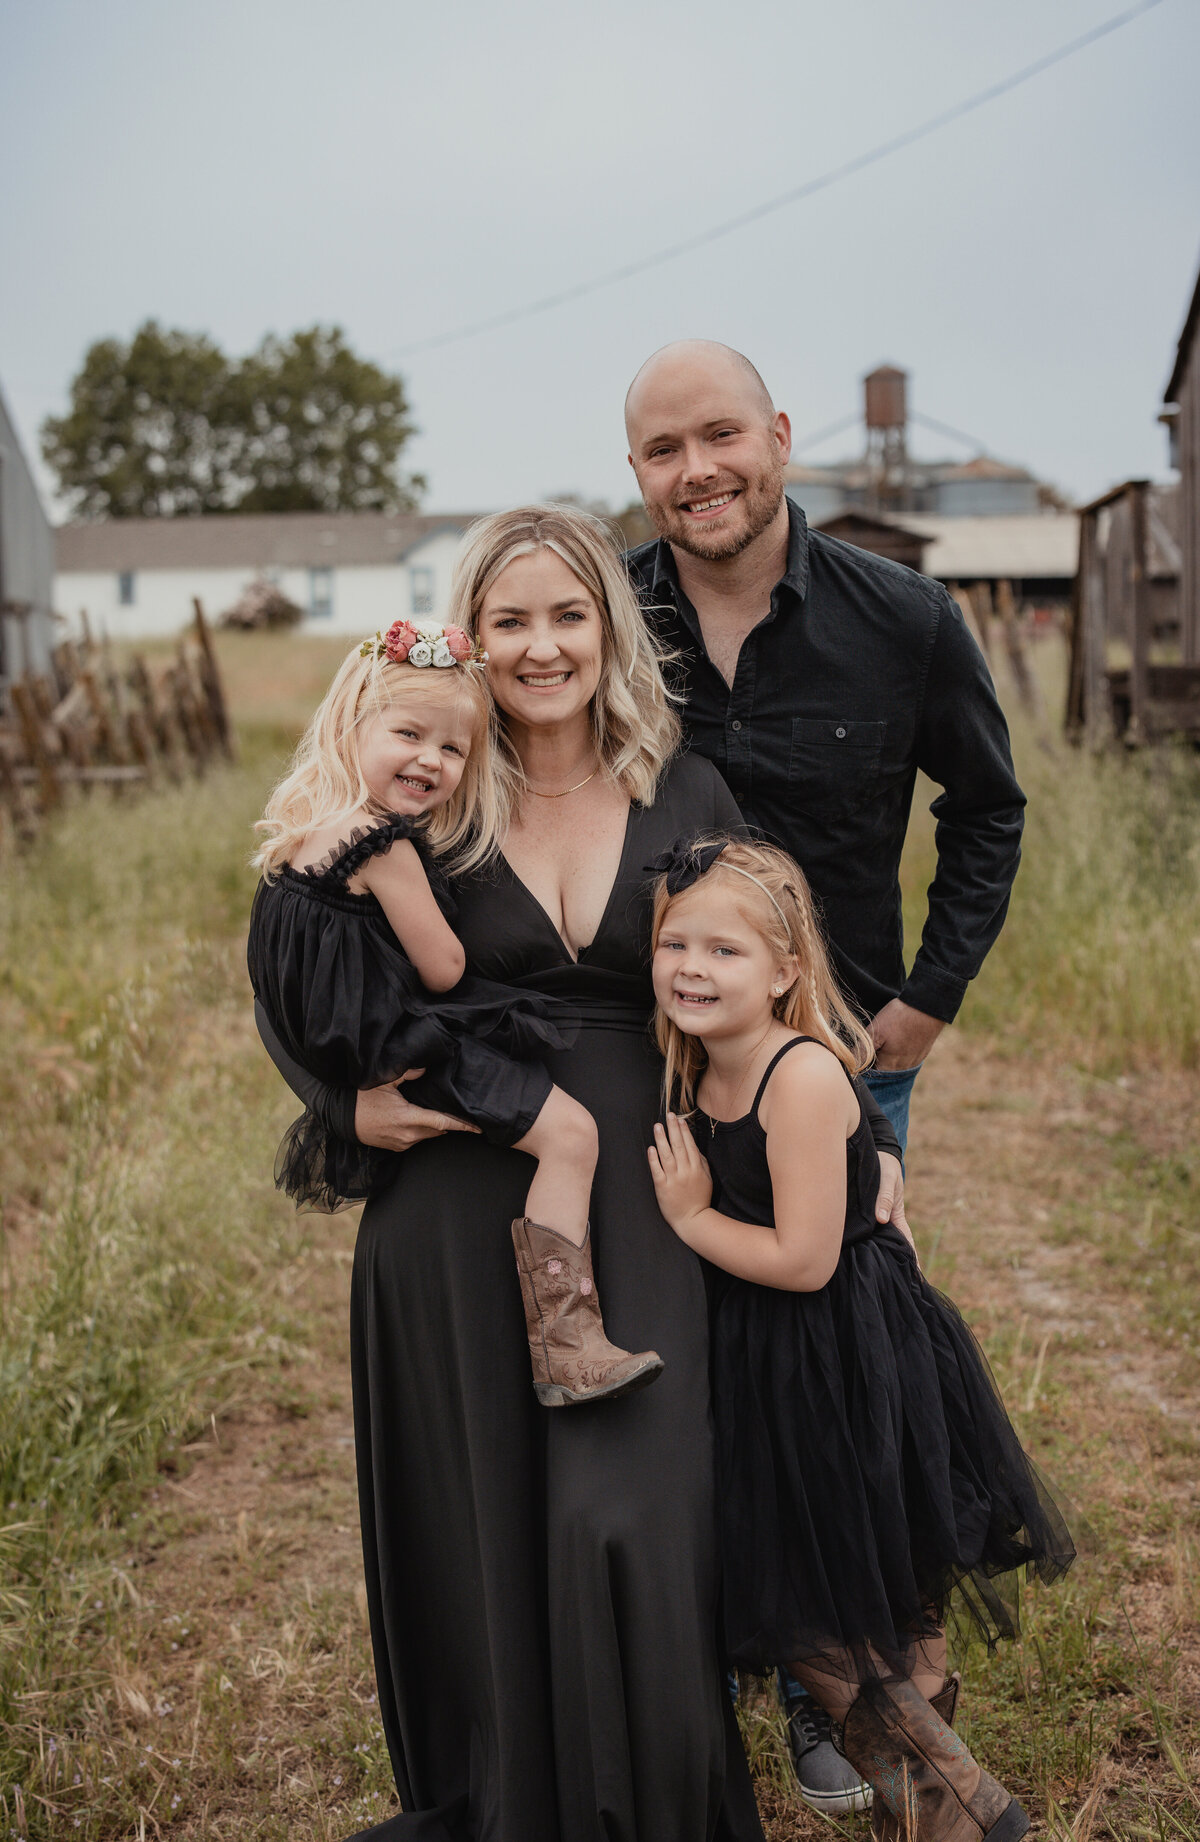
[{"x": 758, "y": 504}]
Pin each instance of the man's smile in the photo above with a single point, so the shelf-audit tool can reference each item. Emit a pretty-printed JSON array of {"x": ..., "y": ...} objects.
[{"x": 709, "y": 508}]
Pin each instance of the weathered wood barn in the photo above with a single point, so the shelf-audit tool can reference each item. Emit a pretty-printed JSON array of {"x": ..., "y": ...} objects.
[
  {"x": 1135, "y": 638},
  {"x": 1182, "y": 416},
  {"x": 26, "y": 564}
]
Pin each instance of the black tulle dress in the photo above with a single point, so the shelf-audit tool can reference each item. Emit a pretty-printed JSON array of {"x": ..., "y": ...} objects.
[
  {"x": 348, "y": 1004},
  {"x": 866, "y": 1464}
]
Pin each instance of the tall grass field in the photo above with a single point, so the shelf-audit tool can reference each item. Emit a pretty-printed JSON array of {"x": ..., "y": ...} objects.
[{"x": 153, "y": 1284}]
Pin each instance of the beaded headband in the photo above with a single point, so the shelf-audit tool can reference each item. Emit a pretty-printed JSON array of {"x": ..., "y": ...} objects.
[{"x": 405, "y": 644}]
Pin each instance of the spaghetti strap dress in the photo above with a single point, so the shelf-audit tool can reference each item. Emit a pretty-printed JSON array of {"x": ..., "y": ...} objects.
[
  {"x": 347, "y": 1002},
  {"x": 866, "y": 1464},
  {"x": 542, "y": 1587}
]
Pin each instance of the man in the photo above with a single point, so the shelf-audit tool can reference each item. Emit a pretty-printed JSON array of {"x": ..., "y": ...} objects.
[{"x": 818, "y": 678}]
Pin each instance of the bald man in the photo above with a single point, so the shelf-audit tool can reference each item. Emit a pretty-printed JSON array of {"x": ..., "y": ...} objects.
[{"x": 818, "y": 678}]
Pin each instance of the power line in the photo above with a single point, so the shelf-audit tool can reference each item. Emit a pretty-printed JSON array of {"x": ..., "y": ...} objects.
[
  {"x": 826, "y": 434},
  {"x": 791, "y": 197},
  {"x": 946, "y": 428}
]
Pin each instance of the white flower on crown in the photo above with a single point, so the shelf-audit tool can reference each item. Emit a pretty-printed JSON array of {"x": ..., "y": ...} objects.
[
  {"x": 421, "y": 653},
  {"x": 442, "y": 654}
]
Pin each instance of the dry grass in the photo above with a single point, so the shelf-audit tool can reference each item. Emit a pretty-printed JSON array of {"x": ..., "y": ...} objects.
[{"x": 184, "y": 1648}]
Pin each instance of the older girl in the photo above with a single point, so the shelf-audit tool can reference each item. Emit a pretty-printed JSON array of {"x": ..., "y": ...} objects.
[{"x": 866, "y": 1462}]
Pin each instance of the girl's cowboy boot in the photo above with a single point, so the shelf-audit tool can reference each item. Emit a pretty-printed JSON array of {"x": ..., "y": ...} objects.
[
  {"x": 886, "y": 1825},
  {"x": 573, "y": 1360},
  {"x": 922, "y": 1771}
]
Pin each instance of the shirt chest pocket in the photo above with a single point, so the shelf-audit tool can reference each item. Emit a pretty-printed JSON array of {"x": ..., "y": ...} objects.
[{"x": 835, "y": 764}]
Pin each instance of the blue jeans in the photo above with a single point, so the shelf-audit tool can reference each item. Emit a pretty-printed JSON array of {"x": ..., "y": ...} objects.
[{"x": 892, "y": 1088}]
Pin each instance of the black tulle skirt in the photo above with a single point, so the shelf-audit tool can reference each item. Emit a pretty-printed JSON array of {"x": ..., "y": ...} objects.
[{"x": 869, "y": 1472}]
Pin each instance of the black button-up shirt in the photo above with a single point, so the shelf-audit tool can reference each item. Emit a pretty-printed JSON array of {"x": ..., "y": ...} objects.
[{"x": 861, "y": 673}]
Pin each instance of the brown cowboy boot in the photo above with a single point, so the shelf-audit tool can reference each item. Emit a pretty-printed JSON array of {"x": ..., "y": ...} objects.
[
  {"x": 573, "y": 1360},
  {"x": 886, "y": 1826},
  {"x": 922, "y": 1771}
]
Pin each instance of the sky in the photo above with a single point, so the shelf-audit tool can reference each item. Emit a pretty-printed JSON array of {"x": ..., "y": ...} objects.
[{"x": 254, "y": 166}]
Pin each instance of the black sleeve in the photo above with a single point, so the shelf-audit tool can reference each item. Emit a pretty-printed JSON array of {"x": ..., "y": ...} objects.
[
  {"x": 962, "y": 743},
  {"x": 882, "y": 1130},
  {"x": 333, "y": 1106}
]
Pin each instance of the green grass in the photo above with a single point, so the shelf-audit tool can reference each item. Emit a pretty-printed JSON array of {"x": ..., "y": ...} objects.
[
  {"x": 153, "y": 1283},
  {"x": 1099, "y": 959}
]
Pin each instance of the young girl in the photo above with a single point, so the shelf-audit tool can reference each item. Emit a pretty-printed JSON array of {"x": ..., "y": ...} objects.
[
  {"x": 867, "y": 1463},
  {"x": 353, "y": 958}
]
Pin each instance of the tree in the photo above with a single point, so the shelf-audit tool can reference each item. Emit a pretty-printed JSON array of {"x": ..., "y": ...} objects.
[
  {"x": 324, "y": 429},
  {"x": 168, "y": 425},
  {"x": 147, "y": 432}
]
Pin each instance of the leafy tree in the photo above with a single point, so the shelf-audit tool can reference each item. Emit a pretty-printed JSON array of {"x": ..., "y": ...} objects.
[
  {"x": 324, "y": 429},
  {"x": 168, "y": 425},
  {"x": 147, "y": 432}
]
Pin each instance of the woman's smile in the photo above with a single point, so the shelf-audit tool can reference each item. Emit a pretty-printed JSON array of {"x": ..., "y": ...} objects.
[{"x": 543, "y": 634}]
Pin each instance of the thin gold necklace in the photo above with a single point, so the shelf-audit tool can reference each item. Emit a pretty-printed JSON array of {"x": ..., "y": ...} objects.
[{"x": 538, "y": 794}]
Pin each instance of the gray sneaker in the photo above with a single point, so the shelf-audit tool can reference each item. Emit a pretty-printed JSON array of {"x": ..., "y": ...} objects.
[{"x": 828, "y": 1782}]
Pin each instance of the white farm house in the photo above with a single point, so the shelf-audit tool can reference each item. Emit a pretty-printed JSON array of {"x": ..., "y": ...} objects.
[{"x": 351, "y": 572}]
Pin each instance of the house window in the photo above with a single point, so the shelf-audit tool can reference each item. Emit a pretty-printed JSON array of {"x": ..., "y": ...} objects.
[
  {"x": 422, "y": 590},
  {"x": 320, "y": 594},
  {"x": 125, "y": 588}
]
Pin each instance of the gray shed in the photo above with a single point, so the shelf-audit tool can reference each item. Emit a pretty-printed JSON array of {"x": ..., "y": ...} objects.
[{"x": 27, "y": 623}]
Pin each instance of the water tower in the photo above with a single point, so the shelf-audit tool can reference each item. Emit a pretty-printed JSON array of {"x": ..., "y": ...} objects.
[{"x": 885, "y": 395}]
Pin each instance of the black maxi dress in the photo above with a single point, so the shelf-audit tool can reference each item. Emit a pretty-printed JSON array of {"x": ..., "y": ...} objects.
[{"x": 543, "y": 1585}]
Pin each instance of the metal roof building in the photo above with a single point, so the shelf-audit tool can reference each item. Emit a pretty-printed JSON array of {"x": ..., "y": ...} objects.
[{"x": 27, "y": 628}]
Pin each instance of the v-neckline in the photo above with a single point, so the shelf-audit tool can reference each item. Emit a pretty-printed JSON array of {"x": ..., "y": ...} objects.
[{"x": 578, "y": 959}]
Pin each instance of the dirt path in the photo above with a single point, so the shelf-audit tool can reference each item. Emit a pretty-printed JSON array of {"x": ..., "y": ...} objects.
[{"x": 250, "y": 1636}]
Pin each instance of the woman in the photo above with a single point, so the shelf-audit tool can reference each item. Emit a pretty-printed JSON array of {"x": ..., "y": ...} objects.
[{"x": 542, "y": 1587}]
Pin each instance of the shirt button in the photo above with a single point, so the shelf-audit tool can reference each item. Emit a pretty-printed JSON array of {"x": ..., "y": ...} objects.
[
  {"x": 736, "y": 725},
  {"x": 840, "y": 734}
]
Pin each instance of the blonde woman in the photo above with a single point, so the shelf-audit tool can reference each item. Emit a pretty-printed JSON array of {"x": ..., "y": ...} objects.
[
  {"x": 353, "y": 958},
  {"x": 543, "y": 1587}
]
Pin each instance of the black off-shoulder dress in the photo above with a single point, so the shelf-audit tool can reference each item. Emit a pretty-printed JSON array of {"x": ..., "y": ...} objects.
[
  {"x": 866, "y": 1464},
  {"x": 348, "y": 1003}
]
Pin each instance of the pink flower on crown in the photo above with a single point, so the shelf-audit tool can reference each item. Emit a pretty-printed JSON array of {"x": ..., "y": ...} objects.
[
  {"x": 459, "y": 643},
  {"x": 398, "y": 639}
]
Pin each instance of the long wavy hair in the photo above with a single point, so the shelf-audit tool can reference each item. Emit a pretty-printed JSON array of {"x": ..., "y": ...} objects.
[
  {"x": 634, "y": 724},
  {"x": 324, "y": 784},
  {"x": 814, "y": 1005}
]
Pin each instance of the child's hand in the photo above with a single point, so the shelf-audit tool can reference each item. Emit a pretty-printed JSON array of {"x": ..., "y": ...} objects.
[{"x": 681, "y": 1177}]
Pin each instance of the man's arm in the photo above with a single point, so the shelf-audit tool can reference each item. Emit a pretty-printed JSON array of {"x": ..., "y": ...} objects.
[{"x": 962, "y": 743}]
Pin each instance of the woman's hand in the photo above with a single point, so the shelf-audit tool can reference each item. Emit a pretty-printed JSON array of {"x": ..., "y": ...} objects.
[
  {"x": 388, "y": 1122},
  {"x": 682, "y": 1181}
]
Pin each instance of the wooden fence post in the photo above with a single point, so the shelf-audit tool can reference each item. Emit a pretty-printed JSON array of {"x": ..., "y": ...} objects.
[
  {"x": 210, "y": 679},
  {"x": 35, "y": 744}
]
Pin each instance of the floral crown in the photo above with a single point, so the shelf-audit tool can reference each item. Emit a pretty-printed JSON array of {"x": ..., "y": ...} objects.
[{"x": 406, "y": 644}]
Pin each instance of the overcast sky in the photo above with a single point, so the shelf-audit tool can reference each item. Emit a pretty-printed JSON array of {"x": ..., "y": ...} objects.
[{"x": 257, "y": 165}]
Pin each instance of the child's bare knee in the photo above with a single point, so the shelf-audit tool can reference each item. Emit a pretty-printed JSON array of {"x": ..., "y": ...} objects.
[{"x": 565, "y": 1131}]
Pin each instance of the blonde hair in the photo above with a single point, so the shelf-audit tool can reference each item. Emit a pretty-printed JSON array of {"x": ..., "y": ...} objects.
[
  {"x": 634, "y": 726},
  {"x": 780, "y": 909},
  {"x": 324, "y": 784}
]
